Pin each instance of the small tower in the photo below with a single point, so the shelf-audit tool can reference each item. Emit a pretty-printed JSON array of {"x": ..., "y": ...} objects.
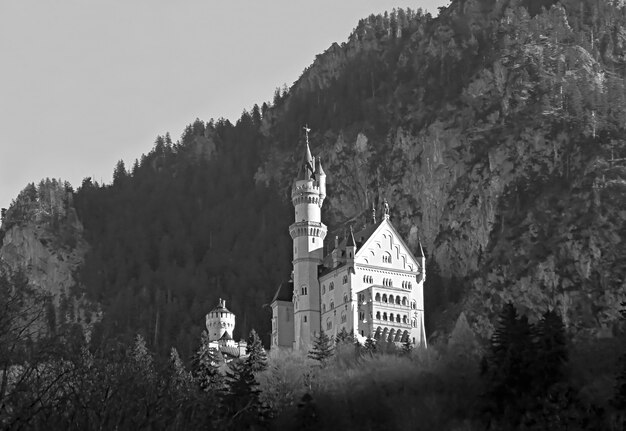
[
  {"x": 308, "y": 233},
  {"x": 220, "y": 323}
]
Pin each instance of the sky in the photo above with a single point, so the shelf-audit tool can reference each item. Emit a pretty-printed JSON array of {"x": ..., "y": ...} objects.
[{"x": 85, "y": 83}]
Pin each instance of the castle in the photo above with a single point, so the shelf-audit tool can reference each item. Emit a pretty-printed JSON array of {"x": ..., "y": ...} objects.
[
  {"x": 370, "y": 284},
  {"x": 220, "y": 323}
]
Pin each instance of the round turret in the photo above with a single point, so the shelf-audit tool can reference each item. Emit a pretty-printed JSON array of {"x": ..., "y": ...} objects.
[{"x": 219, "y": 321}]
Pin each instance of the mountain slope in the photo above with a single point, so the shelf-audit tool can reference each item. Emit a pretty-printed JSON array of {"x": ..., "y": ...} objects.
[{"x": 495, "y": 131}]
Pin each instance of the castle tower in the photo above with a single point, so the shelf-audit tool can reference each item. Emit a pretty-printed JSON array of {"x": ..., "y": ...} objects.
[
  {"x": 220, "y": 322},
  {"x": 308, "y": 233}
]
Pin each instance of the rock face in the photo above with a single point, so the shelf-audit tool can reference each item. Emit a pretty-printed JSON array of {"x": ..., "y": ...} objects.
[
  {"x": 509, "y": 179},
  {"x": 42, "y": 236}
]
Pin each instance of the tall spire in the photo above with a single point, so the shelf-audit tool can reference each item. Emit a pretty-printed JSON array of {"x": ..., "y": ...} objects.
[
  {"x": 309, "y": 163},
  {"x": 385, "y": 209},
  {"x": 373, "y": 213},
  {"x": 351, "y": 242},
  {"x": 420, "y": 250}
]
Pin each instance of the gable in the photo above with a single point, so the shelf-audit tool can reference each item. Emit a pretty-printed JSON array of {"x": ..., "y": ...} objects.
[{"x": 385, "y": 247}]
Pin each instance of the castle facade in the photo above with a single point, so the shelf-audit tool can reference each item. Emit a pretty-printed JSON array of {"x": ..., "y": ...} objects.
[{"x": 370, "y": 284}]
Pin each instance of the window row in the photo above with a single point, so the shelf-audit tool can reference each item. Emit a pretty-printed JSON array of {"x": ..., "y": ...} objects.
[
  {"x": 386, "y": 258},
  {"x": 392, "y": 299},
  {"x": 407, "y": 285},
  {"x": 368, "y": 279},
  {"x": 392, "y": 318},
  {"x": 332, "y": 303},
  {"x": 387, "y": 282},
  {"x": 329, "y": 321},
  {"x": 392, "y": 335},
  {"x": 331, "y": 286}
]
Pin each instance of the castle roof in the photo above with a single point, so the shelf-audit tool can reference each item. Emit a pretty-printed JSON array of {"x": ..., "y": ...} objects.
[
  {"x": 221, "y": 306},
  {"x": 420, "y": 250},
  {"x": 307, "y": 167},
  {"x": 284, "y": 292},
  {"x": 351, "y": 242},
  {"x": 229, "y": 351},
  {"x": 360, "y": 238}
]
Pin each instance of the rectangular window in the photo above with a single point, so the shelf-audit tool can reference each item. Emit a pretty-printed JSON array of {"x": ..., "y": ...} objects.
[{"x": 304, "y": 319}]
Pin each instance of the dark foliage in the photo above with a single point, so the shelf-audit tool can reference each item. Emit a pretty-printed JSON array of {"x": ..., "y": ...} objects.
[
  {"x": 257, "y": 357},
  {"x": 188, "y": 225},
  {"x": 322, "y": 349}
]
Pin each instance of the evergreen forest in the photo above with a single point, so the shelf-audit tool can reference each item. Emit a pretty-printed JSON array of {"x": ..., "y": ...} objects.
[{"x": 496, "y": 130}]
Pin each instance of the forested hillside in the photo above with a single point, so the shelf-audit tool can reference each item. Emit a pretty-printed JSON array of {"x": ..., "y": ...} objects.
[{"x": 495, "y": 131}]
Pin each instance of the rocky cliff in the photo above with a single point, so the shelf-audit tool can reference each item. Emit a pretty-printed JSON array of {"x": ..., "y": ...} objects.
[
  {"x": 495, "y": 141},
  {"x": 42, "y": 236},
  {"x": 495, "y": 131}
]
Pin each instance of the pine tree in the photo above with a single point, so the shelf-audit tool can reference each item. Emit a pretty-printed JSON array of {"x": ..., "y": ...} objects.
[
  {"x": 343, "y": 337},
  {"x": 407, "y": 347},
  {"x": 207, "y": 364},
  {"x": 257, "y": 357},
  {"x": 307, "y": 417},
  {"x": 180, "y": 377},
  {"x": 551, "y": 348},
  {"x": 619, "y": 399},
  {"x": 142, "y": 361},
  {"x": 242, "y": 397},
  {"x": 323, "y": 349},
  {"x": 370, "y": 346},
  {"x": 509, "y": 366}
]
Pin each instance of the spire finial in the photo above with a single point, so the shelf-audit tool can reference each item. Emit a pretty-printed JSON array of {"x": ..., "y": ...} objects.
[
  {"x": 306, "y": 133},
  {"x": 386, "y": 209},
  {"x": 373, "y": 213}
]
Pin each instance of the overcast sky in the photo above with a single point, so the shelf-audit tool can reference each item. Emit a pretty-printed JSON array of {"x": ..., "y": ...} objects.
[{"x": 85, "y": 83}]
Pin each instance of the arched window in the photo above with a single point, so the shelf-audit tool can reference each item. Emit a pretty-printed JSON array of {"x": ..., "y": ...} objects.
[
  {"x": 384, "y": 316},
  {"x": 398, "y": 318},
  {"x": 344, "y": 317},
  {"x": 391, "y": 316},
  {"x": 413, "y": 305},
  {"x": 384, "y": 297},
  {"x": 391, "y": 299},
  {"x": 397, "y": 300},
  {"x": 414, "y": 323},
  {"x": 405, "y": 319},
  {"x": 332, "y": 305},
  {"x": 331, "y": 286},
  {"x": 345, "y": 279},
  {"x": 405, "y": 301},
  {"x": 378, "y": 315},
  {"x": 345, "y": 297},
  {"x": 377, "y": 297},
  {"x": 304, "y": 290}
]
